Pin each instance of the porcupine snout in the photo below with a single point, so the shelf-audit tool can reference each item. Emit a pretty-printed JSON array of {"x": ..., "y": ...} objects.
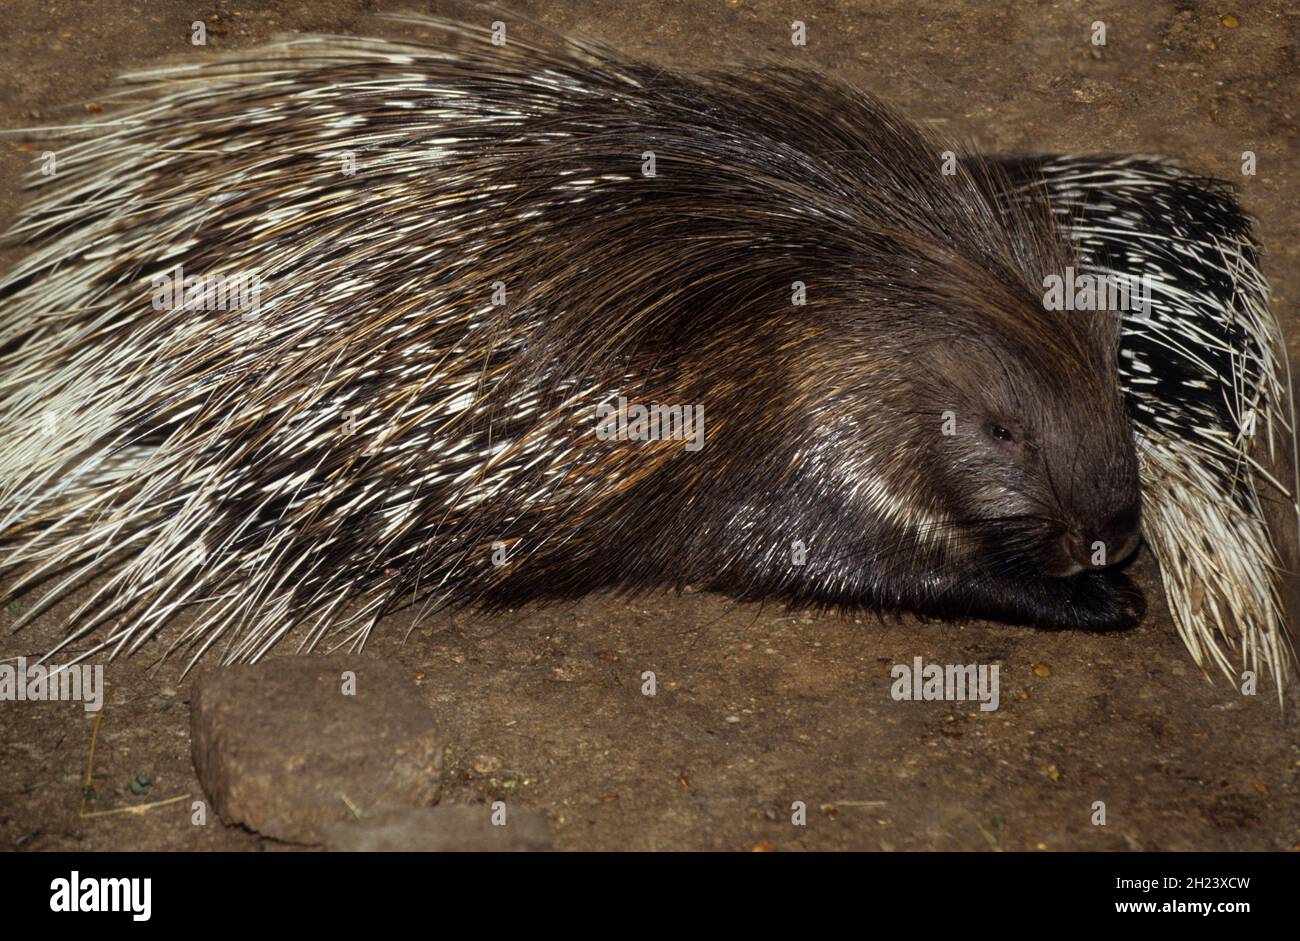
[{"x": 1085, "y": 546}]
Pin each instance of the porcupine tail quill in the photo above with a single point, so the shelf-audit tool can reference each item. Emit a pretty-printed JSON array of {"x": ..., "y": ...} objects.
[{"x": 1209, "y": 391}]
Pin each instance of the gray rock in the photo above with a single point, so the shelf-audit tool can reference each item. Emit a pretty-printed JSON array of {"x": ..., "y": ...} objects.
[{"x": 280, "y": 748}]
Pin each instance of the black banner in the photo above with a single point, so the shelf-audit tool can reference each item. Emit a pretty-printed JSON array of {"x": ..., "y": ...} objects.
[{"x": 925, "y": 891}]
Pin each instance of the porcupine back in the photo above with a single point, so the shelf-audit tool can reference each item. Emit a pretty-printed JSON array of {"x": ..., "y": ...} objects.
[{"x": 380, "y": 424}]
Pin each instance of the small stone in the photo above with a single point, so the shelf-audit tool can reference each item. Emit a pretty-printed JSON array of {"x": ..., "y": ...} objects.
[
  {"x": 287, "y": 747},
  {"x": 140, "y": 783}
]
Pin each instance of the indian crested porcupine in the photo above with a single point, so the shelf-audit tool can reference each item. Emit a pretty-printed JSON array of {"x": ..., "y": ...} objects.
[{"x": 465, "y": 257}]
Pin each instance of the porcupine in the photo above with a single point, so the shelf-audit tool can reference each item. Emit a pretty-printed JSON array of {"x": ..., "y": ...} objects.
[{"x": 474, "y": 422}]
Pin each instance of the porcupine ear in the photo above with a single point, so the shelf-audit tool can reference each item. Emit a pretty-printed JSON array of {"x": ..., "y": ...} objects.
[{"x": 1208, "y": 386}]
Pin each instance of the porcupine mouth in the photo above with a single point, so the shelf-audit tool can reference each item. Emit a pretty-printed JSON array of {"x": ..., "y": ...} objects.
[
  {"x": 1073, "y": 552},
  {"x": 1018, "y": 546}
]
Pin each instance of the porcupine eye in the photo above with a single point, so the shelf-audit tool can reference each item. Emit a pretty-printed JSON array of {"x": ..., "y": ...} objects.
[{"x": 1011, "y": 440}]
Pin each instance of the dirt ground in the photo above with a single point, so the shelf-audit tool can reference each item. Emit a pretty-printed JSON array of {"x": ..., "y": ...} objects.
[{"x": 758, "y": 706}]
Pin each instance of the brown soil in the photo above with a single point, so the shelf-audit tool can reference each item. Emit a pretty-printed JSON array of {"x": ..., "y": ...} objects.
[{"x": 759, "y": 707}]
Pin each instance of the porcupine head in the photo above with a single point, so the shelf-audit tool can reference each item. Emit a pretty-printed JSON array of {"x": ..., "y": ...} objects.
[
  {"x": 984, "y": 463},
  {"x": 973, "y": 456}
]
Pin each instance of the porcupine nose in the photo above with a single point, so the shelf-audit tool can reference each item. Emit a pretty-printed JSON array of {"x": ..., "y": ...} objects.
[{"x": 1107, "y": 544}]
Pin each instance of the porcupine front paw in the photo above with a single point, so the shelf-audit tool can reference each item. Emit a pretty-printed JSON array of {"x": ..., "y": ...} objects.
[
  {"x": 1091, "y": 601},
  {"x": 1096, "y": 601}
]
